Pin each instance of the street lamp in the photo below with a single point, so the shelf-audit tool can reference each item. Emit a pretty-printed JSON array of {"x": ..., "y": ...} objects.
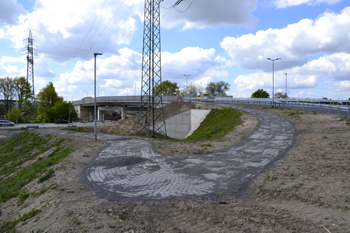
[
  {"x": 273, "y": 78},
  {"x": 286, "y": 84},
  {"x": 187, "y": 75},
  {"x": 95, "y": 54}
]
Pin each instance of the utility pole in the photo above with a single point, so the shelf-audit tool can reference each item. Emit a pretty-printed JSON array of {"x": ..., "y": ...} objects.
[
  {"x": 95, "y": 122},
  {"x": 286, "y": 84},
  {"x": 187, "y": 75},
  {"x": 273, "y": 78},
  {"x": 30, "y": 61},
  {"x": 151, "y": 115}
]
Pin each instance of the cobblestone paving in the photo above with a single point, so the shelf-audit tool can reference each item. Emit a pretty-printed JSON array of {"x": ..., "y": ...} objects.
[{"x": 130, "y": 168}]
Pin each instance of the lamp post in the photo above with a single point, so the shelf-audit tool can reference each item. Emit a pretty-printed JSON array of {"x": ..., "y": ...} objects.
[
  {"x": 273, "y": 78},
  {"x": 286, "y": 84},
  {"x": 95, "y": 54},
  {"x": 187, "y": 75}
]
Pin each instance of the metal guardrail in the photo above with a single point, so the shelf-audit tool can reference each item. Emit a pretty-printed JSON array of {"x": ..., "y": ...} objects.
[{"x": 342, "y": 108}]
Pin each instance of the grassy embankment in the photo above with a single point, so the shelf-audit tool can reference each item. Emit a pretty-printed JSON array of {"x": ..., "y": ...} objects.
[
  {"x": 217, "y": 124},
  {"x": 22, "y": 161}
]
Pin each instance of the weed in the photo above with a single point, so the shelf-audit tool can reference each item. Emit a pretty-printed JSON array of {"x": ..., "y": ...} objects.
[
  {"x": 76, "y": 130},
  {"x": 26, "y": 147},
  {"x": 206, "y": 145},
  {"x": 24, "y": 196},
  {"x": 38, "y": 231},
  {"x": 50, "y": 173},
  {"x": 76, "y": 221},
  {"x": 10, "y": 226}
]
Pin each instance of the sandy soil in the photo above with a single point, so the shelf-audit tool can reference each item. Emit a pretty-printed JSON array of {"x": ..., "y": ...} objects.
[{"x": 306, "y": 191}]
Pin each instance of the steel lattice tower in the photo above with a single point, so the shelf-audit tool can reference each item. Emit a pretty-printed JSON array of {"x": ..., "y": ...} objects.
[
  {"x": 151, "y": 121},
  {"x": 30, "y": 61}
]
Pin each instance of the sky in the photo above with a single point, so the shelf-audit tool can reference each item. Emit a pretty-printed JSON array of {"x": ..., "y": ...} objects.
[{"x": 226, "y": 40}]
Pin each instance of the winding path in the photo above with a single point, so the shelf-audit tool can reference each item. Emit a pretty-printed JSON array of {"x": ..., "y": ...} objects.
[{"x": 130, "y": 168}]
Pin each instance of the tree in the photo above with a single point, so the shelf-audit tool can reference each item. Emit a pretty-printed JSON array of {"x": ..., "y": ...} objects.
[
  {"x": 217, "y": 89},
  {"x": 23, "y": 90},
  {"x": 46, "y": 99},
  {"x": 8, "y": 91},
  {"x": 61, "y": 110},
  {"x": 258, "y": 94},
  {"x": 191, "y": 90},
  {"x": 281, "y": 95},
  {"x": 167, "y": 88},
  {"x": 15, "y": 115}
]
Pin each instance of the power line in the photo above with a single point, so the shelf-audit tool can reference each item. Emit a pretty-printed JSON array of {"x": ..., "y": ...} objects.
[
  {"x": 105, "y": 28},
  {"x": 87, "y": 33}
]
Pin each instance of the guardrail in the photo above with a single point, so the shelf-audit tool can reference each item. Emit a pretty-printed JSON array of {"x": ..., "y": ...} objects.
[{"x": 341, "y": 108}]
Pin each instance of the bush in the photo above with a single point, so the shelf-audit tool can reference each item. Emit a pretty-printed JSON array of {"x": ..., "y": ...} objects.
[{"x": 15, "y": 115}]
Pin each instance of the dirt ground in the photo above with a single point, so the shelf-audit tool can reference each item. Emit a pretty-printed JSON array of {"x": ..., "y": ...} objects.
[{"x": 306, "y": 191}]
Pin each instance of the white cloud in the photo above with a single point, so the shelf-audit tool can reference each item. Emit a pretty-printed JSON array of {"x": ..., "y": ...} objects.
[
  {"x": 9, "y": 11},
  {"x": 197, "y": 62},
  {"x": 208, "y": 13},
  {"x": 330, "y": 33},
  {"x": 117, "y": 74},
  {"x": 288, "y": 3},
  {"x": 6, "y": 59},
  {"x": 310, "y": 75},
  {"x": 59, "y": 30}
]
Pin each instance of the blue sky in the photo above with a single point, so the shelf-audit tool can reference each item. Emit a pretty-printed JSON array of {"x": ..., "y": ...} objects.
[{"x": 226, "y": 40}]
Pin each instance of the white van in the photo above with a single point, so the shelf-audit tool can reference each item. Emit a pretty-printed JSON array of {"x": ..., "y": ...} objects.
[{"x": 6, "y": 123}]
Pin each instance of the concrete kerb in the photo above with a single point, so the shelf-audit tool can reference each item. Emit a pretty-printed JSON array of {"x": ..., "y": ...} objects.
[{"x": 130, "y": 168}]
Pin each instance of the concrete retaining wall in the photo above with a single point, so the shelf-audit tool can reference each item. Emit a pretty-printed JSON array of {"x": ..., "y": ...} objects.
[{"x": 184, "y": 124}]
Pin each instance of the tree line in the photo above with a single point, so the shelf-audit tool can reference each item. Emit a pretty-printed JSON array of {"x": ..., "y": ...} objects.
[
  {"x": 20, "y": 106},
  {"x": 171, "y": 88},
  {"x": 13, "y": 92}
]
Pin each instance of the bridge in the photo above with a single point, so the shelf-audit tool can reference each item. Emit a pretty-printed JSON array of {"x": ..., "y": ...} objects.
[{"x": 107, "y": 105}]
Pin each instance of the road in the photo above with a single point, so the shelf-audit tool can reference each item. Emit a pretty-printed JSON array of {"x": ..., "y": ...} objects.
[{"x": 52, "y": 125}]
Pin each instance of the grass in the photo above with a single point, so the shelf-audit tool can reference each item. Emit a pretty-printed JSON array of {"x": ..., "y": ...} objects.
[
  {"x": 76, "y": 129},
  {"x": 217, "y": 124},
  {"x": 20, "y": 162},
  {"x": 9, "y": 227}
]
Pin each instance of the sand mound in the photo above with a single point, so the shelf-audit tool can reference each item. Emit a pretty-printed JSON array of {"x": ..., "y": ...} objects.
[{"x": 129, "y": 126}]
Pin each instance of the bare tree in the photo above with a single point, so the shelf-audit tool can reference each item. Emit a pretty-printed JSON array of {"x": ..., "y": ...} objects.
[{"x": 192, "y": 90}]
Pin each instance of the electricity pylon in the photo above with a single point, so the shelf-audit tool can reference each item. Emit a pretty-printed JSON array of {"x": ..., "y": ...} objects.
[
  {"x": 30, "y": 61},
  {"x": 151, "y": 117}
]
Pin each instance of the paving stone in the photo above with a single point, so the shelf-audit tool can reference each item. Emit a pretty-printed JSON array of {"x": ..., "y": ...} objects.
[{"x": 131, "y": 168}]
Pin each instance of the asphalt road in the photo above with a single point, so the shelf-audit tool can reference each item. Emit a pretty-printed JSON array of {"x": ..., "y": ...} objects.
[{"x": 52, "y": 125}]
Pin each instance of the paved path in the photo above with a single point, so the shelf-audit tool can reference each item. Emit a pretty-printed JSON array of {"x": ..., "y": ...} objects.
[{"x": 130, "y": 168}]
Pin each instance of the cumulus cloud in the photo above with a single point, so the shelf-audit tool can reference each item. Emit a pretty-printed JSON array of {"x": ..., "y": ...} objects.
[
  {"x": 9, "y": 11},
  {"x": 59, "y": 30},
  {"x": 118, "y": 74},
  {"x": 330, "y": 33},
  {"x": 208, "y": 13},
  {"x": 310, "y": 75},
  {"x": 288, "y": 3},
  {"x": 194, "y": 61}
]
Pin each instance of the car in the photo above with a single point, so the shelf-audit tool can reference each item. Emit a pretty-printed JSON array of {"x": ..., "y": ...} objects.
[
  {"x": 6, "y": 123},
  {"x": 61, "y": 121}
]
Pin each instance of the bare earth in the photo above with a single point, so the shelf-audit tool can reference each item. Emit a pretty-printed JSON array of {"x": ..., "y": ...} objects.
[{"x": 306, "y": 191}]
